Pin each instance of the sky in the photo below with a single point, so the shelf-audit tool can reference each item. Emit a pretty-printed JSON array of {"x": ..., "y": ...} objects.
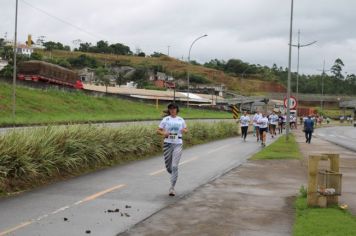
[{"x": 255, "y": 31}]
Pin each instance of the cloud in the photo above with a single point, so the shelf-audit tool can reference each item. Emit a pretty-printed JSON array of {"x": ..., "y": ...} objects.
[{"x": 253, "y": 30}]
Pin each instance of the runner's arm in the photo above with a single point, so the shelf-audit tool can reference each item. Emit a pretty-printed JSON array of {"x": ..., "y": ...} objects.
[
  {"x": 185, "y": 128},
  {"x": 162, "y": 132}
]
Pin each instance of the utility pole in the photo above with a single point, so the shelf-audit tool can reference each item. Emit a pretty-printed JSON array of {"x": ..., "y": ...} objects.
[
  {"x": 168, "y": 50},
  {"x": 300, "y": 46},
  {"x": 322, "y": 86},
  {"x": 15, "y": 71},
  {"x": 289, "y": 71}
]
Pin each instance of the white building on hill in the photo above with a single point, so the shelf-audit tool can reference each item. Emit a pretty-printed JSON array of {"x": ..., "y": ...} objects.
[{"x": 24, "y": 50}]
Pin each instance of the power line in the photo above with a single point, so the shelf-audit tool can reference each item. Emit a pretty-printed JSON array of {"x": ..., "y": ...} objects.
[{"x": 61, "y": 20}]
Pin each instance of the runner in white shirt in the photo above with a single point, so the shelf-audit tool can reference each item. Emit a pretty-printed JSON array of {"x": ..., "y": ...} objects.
[
  {"x": 172, "y": 128},
  {"x": 244, "y": 123},
  {"x": 263, "y": 125},
  {"x": 255, "y": 119},
  {"x": 273, "y": 120}
]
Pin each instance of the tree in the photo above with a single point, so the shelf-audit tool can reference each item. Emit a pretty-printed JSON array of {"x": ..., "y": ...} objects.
[
  {"x": 103, "y": 47},
  {"x": 120, "y": 49},
  {"x": 193, "y": 62},
  {"x": 120, "y": 79},
  {"x": 101, "y": 73},
  {"x": 36, "y": 56},
  {"x": 216, "y": 64},
  {"x": 50, "y": 45},
  {"x": 83, "y": 61},
  {"x": 140, "y": 77},
  {"x": 336, "y": 69},
  {"x": 141, "y": 54},
  {"x": 157, "y": 54},
  {"x": 66, "y": 48},
  {"x": 84, "y": 47},
  {"x": 7, "y": 53},
  {"x": 236, "y": 66}
]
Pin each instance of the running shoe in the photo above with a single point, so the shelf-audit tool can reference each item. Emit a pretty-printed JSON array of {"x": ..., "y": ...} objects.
[{"x": 172, "y": 192}]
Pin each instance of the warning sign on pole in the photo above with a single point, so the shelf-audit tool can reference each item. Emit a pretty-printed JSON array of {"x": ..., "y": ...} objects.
[{"x": 235, "y": 112}]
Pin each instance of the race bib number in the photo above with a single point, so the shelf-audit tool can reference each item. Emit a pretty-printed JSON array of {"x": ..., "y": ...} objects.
[{"x": 173, "y": 137}]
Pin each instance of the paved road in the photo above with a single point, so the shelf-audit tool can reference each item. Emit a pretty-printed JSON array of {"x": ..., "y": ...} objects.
[
  {"x": 142, "y": 185},
  {"x": 344, "y": 136}
]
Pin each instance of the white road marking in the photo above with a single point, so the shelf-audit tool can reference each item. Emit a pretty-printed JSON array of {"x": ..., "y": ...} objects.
[{"x": 59, "y": 210}]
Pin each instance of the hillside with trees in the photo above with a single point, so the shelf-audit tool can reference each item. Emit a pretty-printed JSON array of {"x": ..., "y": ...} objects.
[{"x": 235, "y": 74}]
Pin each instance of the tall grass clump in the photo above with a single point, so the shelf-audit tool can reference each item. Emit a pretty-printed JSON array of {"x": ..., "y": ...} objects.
[{"x": 31, "y": 157}]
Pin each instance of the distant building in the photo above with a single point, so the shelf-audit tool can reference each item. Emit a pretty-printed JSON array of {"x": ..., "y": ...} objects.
[
  {"x": 24, "y": 50},
  {"x": 161, "y": 80},
  {"x": 86, "y": 75},
  {"x": 130, "y": 85}
]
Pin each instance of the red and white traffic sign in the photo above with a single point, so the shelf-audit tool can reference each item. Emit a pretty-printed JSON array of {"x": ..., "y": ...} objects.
[{"x": 292, "y": 103}]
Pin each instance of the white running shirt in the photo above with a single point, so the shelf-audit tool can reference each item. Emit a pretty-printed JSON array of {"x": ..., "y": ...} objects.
[
  {"x": 255, "y": 119},
  {"x": 273, "y": 119},
  {"x": 263, "y": 122},
  {"x": 244, "y": 120},
  {"x": 174, "y": 127}
]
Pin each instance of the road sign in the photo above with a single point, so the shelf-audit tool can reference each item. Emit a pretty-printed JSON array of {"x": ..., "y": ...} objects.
[
  {"x": 235, "y": 112},
  {"x": 292, "y": 102}
]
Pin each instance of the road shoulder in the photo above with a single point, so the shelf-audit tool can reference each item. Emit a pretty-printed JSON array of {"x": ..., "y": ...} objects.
[{"x": 253, "y": 199}]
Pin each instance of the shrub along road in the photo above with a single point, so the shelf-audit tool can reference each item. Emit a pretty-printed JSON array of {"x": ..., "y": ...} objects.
[{"x": 137, "y": 190}]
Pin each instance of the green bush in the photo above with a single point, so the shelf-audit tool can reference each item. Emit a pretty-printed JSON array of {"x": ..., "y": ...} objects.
[{"x": 39, "y": 155}]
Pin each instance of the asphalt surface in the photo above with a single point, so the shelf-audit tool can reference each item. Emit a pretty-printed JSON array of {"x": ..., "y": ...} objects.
[
  {"x": 79, "y": 206},
  {"x": 344, "y": 136}
]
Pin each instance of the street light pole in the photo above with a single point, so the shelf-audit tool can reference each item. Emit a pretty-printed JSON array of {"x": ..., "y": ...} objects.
[
  {"x": 300, "y": 46},
  {"x": 289, "y": 71},
  {"x": 14, "y": 72},
  {"x": 188, "y": 74}
]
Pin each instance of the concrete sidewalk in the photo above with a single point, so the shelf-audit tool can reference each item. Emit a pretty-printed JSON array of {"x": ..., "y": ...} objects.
[
  {"x": 347, "y": 165},
  {"x": 256, "y": 199}
]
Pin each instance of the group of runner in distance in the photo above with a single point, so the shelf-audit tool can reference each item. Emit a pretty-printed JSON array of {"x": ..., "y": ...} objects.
[{"x": 263, "y": 123}]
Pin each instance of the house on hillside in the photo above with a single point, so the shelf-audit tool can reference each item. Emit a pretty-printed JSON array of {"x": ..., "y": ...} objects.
[
  {"x": 23, "y": 49},
  {"x": 86, "y": 75},
  {"x": 162, "y": 80}
]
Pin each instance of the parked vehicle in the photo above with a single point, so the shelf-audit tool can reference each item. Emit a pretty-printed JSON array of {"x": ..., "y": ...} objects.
[{"x": 39, "y": 71}]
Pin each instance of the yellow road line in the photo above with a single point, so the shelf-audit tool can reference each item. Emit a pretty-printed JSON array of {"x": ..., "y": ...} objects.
[
  {"x": 182, "y": 163},
  {"x": 96, "y": 195},
  {"x": 22, "y": 225},
  {"x": 87, "y": 199}
]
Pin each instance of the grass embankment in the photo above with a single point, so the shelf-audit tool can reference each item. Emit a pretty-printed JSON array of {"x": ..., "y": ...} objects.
[
  {"x": 35, "y": 106},
  {"x": 334, "y": 113},
  {"x": 280, "y": 149},
  {"x": 179, "y": 68},
  {"x": 322, "y": 221},
  {"x": 36, "y": 156}
]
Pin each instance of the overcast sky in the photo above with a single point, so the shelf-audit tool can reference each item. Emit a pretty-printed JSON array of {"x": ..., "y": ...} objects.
[{"x": 255, "y": 31}]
